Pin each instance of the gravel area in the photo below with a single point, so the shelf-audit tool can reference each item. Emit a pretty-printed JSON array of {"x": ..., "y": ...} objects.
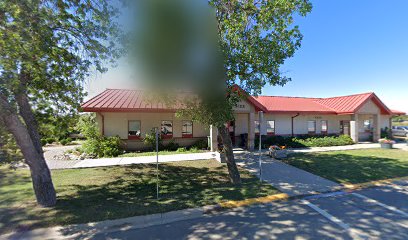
[{"x": 52, "y": 151}]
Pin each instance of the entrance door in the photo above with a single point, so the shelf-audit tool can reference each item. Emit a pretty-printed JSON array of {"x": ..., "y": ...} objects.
[
  {"x": 345, "y": 127},
  {"x": 231, "y": 130}
]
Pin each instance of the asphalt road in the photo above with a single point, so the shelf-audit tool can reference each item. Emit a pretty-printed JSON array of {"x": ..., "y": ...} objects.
[{"x": 376, "y": 213}]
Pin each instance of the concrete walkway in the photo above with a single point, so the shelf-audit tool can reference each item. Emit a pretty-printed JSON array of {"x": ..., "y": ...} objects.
[
  {"x": 103, "y": 162},
  {"x": 290, "y": 180}
]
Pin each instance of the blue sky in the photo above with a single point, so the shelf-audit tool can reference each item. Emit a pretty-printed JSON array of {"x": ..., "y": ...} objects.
[
  {"x": 348, "y": 47},
  {"x": 351, "y": 47}
]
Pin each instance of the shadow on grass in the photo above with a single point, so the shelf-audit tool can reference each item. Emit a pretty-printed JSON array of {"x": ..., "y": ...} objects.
[
  {"x": 351, "y": 167},
  {"x": 131, "y": 191}
]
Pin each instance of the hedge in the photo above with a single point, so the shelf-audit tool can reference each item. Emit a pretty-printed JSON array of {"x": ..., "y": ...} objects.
[{"x": 305, "y": 141}]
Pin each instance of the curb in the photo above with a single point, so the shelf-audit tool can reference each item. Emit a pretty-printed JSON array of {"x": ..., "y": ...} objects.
[
  {"x": 87, "y": 230},
  {"x": 351, "y": 187},
  {"x": 285, "y": 197}
]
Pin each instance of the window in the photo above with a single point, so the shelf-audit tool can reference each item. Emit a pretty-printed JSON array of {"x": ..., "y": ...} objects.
[
  {"x": 257, "y": 127},
  {"x": 134, "y": 129},
  {"x": 311, "y": 127},
  {"x": 367, "y": 126},
  {"x": 187, "y": 129},
  {"x": 324, "y": 126},
  {"x": 166, "y": 129},
  {"x": 270, "y": 127}
]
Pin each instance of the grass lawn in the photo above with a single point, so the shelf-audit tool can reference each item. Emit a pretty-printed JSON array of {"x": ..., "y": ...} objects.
[
  {"x": 96, "y": 194},
  {"x": 354, "y": 166}
]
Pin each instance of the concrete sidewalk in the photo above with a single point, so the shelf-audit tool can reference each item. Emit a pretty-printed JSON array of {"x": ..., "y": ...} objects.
[
  {"x": 103, "y": 162},
  {"x": 290, "y": 180}
]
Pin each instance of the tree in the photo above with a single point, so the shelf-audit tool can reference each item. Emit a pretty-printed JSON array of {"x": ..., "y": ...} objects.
[
  {"x": 47, "y": 49},
  {"x": 254, "y": 38}
]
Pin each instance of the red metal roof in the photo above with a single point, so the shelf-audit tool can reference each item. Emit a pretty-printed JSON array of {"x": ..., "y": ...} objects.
[
  {"x": 293, "y": 104},
  {"x": 122, "y": 100}
]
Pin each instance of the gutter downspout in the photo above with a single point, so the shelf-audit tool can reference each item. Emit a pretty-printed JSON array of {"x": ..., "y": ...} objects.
[
  {"x": 103, "y": 123},
  {"x": 293, "y": 117}
]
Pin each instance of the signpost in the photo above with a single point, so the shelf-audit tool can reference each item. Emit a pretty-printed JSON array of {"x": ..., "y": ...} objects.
[
  {"x": 260, "y": 115},
  {"x": 157, "y": 162}
]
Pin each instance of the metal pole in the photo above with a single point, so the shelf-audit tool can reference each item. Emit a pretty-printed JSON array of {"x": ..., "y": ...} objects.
[
  {"x": 157, "y": 163},
  {"x": 260, "y": 115}
]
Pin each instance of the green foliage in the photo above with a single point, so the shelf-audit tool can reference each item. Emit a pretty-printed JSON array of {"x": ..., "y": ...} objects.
[
  {"x": 403, "y": 118},
  {"x": 172, "y": 145},
  {"x": 386, "y": 133},
  {"x": 9, "y": 151},
  {"x": 88, "y": 127},
  {"x": 65, "y": 141},
  {"x": 103, "y": 146},
  {"x": 95, "y": 143},
  {"x": 150, "y": 140},
  {"x": 325, "y": 141},
  {"x": 50, "y": 140},
  {"x": 110, "y": 147},
  {"x": 305, "y": 141},
  {"x": 256, "y": 37},
  {"x": 182, "y": 149},
  {"x": 201, "y": 144}
]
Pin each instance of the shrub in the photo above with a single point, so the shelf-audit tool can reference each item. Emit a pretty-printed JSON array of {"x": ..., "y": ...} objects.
[
  {"x": 325, "y": 141},
  {"x": 88, "y": 127},
  {"x": 182, "y": 149},
  {"x": 43, "y": 142},
  {"x": 305, "y": 141},
  {"x": 110, "y": 147},
  {"x": 172, "y": 146},
  {"x": 201, "y": 144},
  {"x": 64, "y": 142},
  {"x": 103, "y": 146},
  {"x": 50, "y": 140},
  {"x": 150, "y": 140}
]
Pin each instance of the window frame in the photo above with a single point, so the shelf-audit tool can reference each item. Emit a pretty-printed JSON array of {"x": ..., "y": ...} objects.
[
  {"x": 327, "y": 127},
  {"x": 166, "y": 136},
  {"x": 314, "y": 124},
  {"x": 267, "y": 127},
  {"x": 135, "y": 137},
  {"x": 190, "y": 135},
  {"x": 367, "y": 130},
  {"x": 257, "y": 129}
]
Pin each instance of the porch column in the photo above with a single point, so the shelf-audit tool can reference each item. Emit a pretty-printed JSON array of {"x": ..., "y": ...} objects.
[
  {"x": 251, "y": 131},
  {"x": 354, "y": 128},
  {"x": 377, "y": 127},
  {"x": 213, "y": 138}
]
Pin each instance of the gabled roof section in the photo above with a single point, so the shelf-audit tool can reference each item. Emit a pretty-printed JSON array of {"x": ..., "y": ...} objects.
[
  {"x": 293, "y": 104},
  {"x": 352, "y": 103},
  {"x": 122, "y": 100},
  {"x": 125, "y": 100}
]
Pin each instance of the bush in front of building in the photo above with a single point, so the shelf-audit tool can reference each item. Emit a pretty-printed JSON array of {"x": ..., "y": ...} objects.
[
  {"x": 325, "y": 141},
  {"x": 201, "y": 144},
  {"x": 304, "y": 141}
]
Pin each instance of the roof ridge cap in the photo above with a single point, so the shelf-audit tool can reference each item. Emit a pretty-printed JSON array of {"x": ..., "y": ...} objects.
[
  {"x": 350, "y": 95},
  {"x": 288, "y": 97}
]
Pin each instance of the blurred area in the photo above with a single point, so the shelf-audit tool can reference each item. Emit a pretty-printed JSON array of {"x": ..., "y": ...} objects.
[{"x": 174, "y": 47}]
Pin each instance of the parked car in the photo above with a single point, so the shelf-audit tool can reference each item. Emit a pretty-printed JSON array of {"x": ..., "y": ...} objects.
[{"x": 400, "y": 131}]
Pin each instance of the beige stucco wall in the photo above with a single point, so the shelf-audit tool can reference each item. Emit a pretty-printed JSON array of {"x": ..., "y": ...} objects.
[
  {"x": 116, "y": 123},
  {"x": 369, "y": 108}
]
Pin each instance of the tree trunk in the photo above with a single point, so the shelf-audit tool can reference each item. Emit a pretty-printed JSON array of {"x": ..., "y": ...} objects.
[
  {"x": 40, "y": 174},
  {"x": 229, "y": 156}
]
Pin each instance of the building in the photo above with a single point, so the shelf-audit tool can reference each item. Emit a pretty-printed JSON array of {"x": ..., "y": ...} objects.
[{"x": 126, "y": 114}]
